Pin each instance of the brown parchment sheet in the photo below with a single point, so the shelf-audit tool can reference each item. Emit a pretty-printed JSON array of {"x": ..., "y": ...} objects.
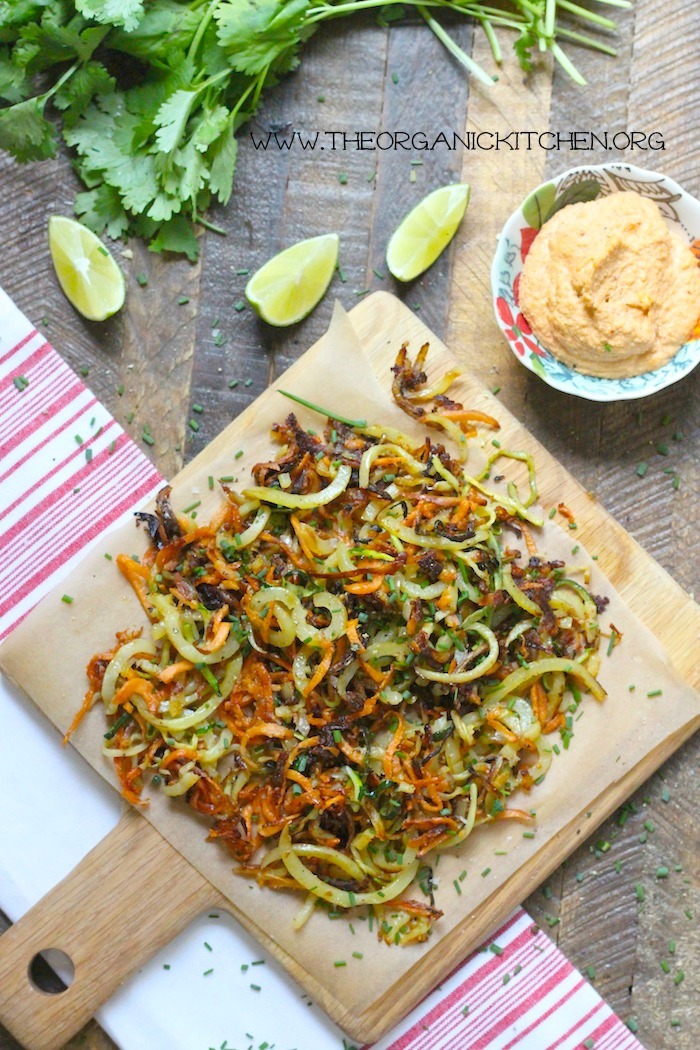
[{"x": 47, "y": 654}]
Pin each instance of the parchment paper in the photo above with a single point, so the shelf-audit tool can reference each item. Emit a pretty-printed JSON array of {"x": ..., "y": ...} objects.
[{"x": 48, "y": 653}]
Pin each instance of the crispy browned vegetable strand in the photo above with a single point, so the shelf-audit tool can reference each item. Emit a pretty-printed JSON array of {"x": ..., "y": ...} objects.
[{"x": 352, "y": 665}]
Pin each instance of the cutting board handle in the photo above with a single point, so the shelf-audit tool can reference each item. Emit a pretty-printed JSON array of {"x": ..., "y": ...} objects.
[{"x": 133, "y": 872}]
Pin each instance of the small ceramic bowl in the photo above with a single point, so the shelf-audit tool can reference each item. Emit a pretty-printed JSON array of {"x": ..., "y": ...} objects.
[{"x": 682, "y": 214}]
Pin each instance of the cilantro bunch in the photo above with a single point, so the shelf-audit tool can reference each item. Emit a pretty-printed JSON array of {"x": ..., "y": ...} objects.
[{"x": 151, "y": 93}]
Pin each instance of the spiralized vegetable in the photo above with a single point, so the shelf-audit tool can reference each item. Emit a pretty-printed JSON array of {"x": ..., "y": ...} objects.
[{"x": 352, "y": 666}]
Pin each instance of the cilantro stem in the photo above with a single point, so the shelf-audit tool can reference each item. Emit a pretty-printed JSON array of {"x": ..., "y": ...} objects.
[
  {"x": 201, "y": 29},
  {"x": 567, "y": 65},
  {"x": 61, "y": 81},
  {"x": 493, "y": 42},
  {"x": 581, "y": 12},
  {"x": 453, "y": 47},
  {"x": 210, "y": 226}
]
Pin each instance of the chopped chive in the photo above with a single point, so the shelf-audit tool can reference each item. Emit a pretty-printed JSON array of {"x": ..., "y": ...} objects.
[
  {"x": 680, "y": 976},
  {"x": 21, "y": 383},
  {"x": 197, "y": 408},
  {"x": 233, "y": 383},
  {"x": 121, "y": 721},
  {"x": 357, "y": 955},
  {"x": 641, "y": 470},
  {"x": 255, "y": 987},
  {"x": 340, "y": 962},
  {"x": 496, "y": 949},
  {"x": 238, "y": 454},
  {"x": 208, "y": 947},
  {"x": 656, "y": 692},
  {"x": 639, "y": 892},
  {"x": 141, "y": 279},
  {"x": 210, "y": 481},
  {"x": 182, "y": 300},
  {"x": 239, "y": 306},
  {"x": 323, "y": 411},
  {"x": 67, "y": 599},
  {"x": 194, "y": 425},
  {"x": 342, "y": 178}
]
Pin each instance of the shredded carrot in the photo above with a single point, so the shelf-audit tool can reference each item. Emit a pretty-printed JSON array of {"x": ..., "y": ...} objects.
[
  {"x": 173, "y": 670},
  {"x": 321, "y": 671},
  {"x": 137, "y": 575},
  {"x": 366, "y": 587}
]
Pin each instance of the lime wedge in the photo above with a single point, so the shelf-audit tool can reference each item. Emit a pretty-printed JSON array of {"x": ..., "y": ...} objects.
[
  {"x": 291, "y": 284},
  {"x": 87, "y": 273},
  {"x": 426, "y": 231}
]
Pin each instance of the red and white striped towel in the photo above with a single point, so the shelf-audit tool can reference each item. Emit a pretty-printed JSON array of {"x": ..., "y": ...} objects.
[{"x": 68, "y": 472}]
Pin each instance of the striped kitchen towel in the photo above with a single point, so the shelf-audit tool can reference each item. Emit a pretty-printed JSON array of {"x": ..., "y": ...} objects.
[{"x": 68, "y": 472}]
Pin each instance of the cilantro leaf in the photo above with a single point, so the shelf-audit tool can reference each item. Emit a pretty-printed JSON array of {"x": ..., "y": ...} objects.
[
  {"x": 257, "y": 32},
  {"x": 44, "y": 45},
  {"x": 125, "y": 13},
  {"x": 211, "y": 125},
  {"x": 25, "y": 132},
  {"x": 176, "y": 235},
  {"x": 101, "y": 209},
  {"x": 171, "y": 119},
  {"x": 222, "y": 156},
  {"x": 12, "y": 79},
  {"x": 73, "y": 96}
]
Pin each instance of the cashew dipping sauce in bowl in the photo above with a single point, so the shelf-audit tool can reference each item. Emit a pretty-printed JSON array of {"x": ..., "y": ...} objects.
[{"x": 680, "y": 213}]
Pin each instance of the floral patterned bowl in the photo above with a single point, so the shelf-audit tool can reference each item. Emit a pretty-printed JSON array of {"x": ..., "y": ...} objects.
[{"x": 681, "y": 212}]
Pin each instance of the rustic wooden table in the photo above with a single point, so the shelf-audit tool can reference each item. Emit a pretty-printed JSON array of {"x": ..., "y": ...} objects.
[{"x": 160, "y": 357}]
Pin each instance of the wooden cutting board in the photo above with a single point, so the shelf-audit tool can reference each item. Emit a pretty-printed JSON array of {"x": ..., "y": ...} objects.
[{"x": 83, "y": 916}]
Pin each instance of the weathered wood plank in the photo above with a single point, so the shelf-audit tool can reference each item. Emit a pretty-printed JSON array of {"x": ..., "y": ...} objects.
[
  {"x": 425, "y": 94},
  {"x": 147, "y": 348}
]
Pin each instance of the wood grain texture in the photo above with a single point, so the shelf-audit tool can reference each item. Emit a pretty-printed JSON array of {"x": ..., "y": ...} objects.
[
  {"x": 81, "y": 918},
  {"x": 653, "y": 85}
]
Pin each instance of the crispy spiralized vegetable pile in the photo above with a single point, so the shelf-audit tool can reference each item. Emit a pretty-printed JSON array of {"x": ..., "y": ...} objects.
[{"x": 351, "y": 666}]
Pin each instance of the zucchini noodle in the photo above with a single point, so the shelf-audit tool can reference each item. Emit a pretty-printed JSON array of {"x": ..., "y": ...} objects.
[{"x": 350, "y": 669}]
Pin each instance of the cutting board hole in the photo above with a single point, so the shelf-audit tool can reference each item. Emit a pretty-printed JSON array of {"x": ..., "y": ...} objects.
[{"x": 51, "y": 971}]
